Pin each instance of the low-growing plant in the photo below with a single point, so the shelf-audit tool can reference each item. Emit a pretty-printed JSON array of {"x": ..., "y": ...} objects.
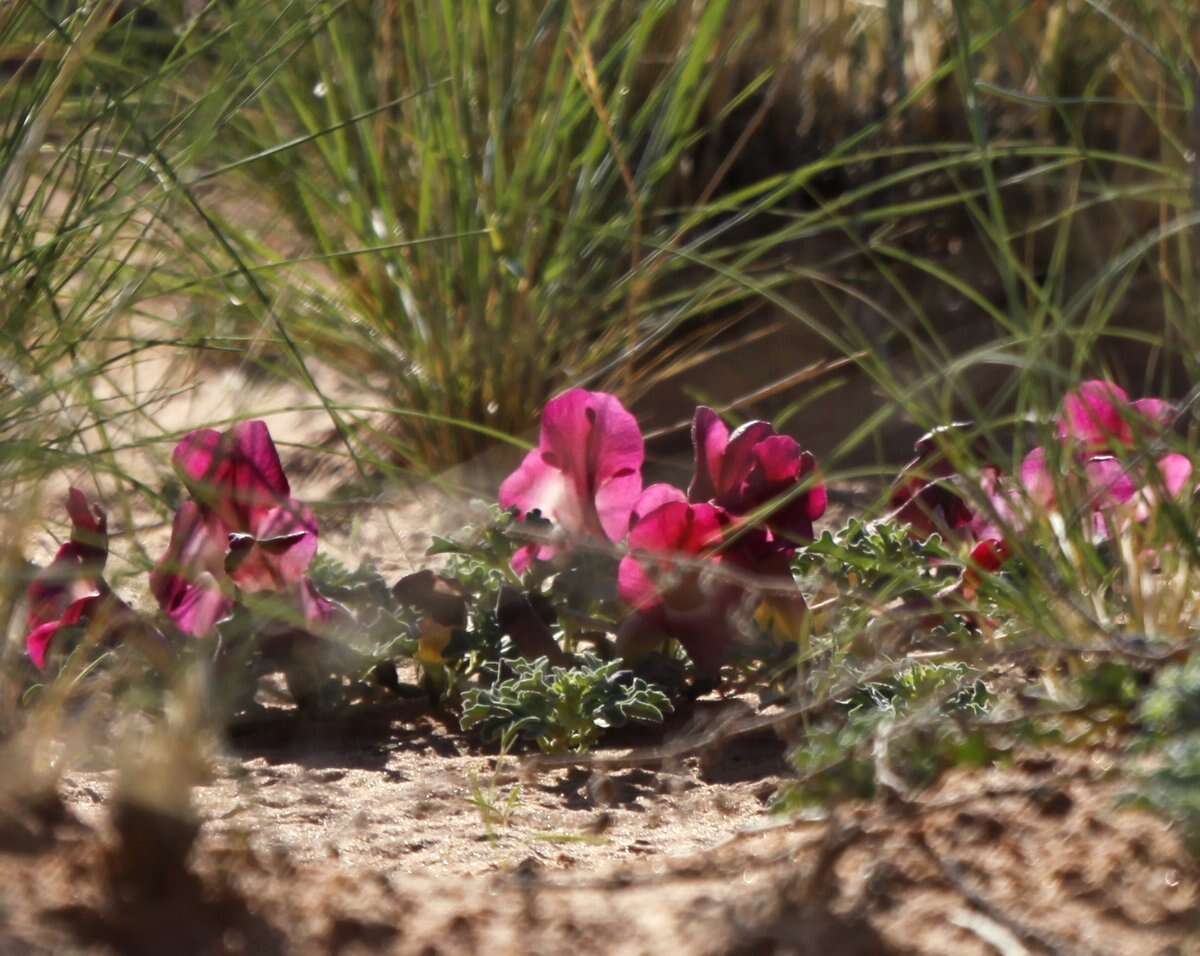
[
  {"x": 941, "y": 583},
  {"x": 900, "y": 733},
  {"x": 560, "y": 709},
  {"x": 880, "y": 559},
  {"x": 1170, "y": 716}
]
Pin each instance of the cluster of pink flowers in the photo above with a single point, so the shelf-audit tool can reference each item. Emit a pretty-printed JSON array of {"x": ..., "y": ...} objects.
[
  {"x": 240, "y": 533},
  {"x": 1099, "y": 429},
  {"x": 691, "y": 557}
]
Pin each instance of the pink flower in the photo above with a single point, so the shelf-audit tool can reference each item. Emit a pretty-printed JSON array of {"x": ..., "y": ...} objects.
[
  {"x": 243, "y": 531},
  {"x": 1099, "y": 416},
  {"x": 189, "y": 581},
  {"x": 237, "y": 478},
  {"x": 752, "y": 468},
  {"x": 1175, "y": 472},
  {"x": 694, "y": 559},
  {"x": 584, "y": 476},
  {"x": 71, "y": 590}
]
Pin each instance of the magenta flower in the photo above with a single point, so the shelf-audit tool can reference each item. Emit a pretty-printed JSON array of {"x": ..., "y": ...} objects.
[
  {"x": 928, "y": 494},
  {"x": 71, "y": 590},
  {"x": 584, "y": 476},
  {"x": 931, "y": 496},
  {"x": 189, "y": 580},
  {"x": 695, "y": 558},
  {"x": 242, "y": 531},
  {"x": 667, "y": 579},
  {"x": 752, "y": 468},
  {"x": 684, "y": 579}
]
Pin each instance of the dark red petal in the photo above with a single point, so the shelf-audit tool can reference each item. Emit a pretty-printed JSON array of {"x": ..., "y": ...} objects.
[
  {"x": 40, "y": 638},
  {"x": 202, "y": 462},
  {"x": 186, "y": 582},
  {"x": 990, "y": 554},
  {"x": 710, "y": 437},
  {"x": 259, "y": 477},
  {"x": 85, "y": 516},
  {"x": 739, "y": 459}
]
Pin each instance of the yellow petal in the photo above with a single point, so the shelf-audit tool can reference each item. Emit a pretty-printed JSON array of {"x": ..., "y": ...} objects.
[{"x": 432, "y": 642}]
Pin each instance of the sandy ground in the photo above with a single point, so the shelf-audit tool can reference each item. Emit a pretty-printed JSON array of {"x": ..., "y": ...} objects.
[{"x": 369, "y": 840}]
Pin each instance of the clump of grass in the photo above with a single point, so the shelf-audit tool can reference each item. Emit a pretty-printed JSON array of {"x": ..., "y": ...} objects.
[{"x": 482, "y": 190}]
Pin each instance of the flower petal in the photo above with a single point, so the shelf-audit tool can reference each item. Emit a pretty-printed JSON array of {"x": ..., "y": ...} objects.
[
  {"x": 238, "y": 474},
  {"x": 710, "y": 436},
  {"x": 990, "y": 554},
  {"x": 538, "y": 485},
  {"x": 527, "y": 555},
  {"x": 319, "y": 611},
  {"x": 39, "y": 639},
  {"x": 782, "y": 465},
  {"x": 89, "y": 522},
  {"x": 739, "y": 458},
  {"x": 1093, "y": 415},
  {"x": 615, "y": 457},
  {"x": 38, "y": 642},
  {"x": 673, "y": 530},
  {"x": 195, "y": 607},
  {"x": 654, "y": 497},
  {"x": 818, "y": 501},
  {"x": 186, "y": 580},
  {"x": 1156, "y": 411},
  {"x": 258, "y": 478},
  {"x": 55, "y": 586},
  {"x": 278, "y": 552},
  {"x": 1037, "y": 479},
  {"x": 585, "y": 475},
  {"x": 1109, "y": 482},
  {"x": 636, "y": 586},
  {"x": 200, "y": 461},
  {"x": 678, "y": 528},
  {"x": 1176, "y": 471}
]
